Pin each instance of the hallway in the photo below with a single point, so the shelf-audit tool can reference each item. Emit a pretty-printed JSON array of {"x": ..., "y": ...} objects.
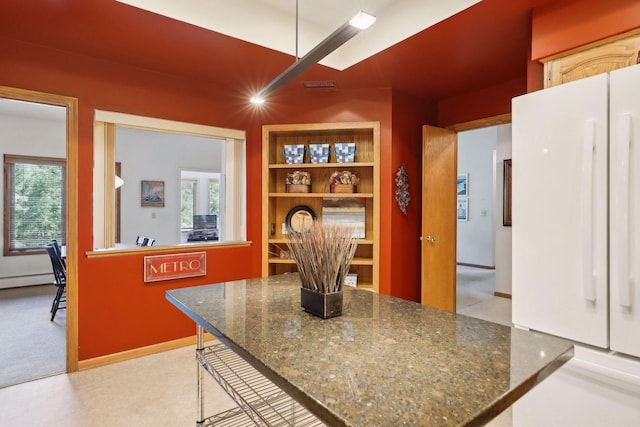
[{"x": 475, "y": 298}]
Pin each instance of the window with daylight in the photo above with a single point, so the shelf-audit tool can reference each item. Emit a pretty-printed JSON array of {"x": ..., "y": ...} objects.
[
  {"x": 195, "y": 203},
  {"x": 34, "y": 203},
  {"x": 199, "y": 197},
  {"x": 188, "y": 192},
  {"x": 214, "y": 196}
]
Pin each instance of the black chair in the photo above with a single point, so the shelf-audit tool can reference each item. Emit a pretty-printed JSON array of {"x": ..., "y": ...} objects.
[
  {"x": 56, "y": 246},
  {"x": 145, "y": 241},
  {"x": 60, "y": 280}
]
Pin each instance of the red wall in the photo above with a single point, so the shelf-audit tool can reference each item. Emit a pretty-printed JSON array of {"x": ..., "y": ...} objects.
[
  {"x": 563, "y": 25},
  {"x": 403, "y": 274},
  {"x": 117, "y": 310},
  {"x": 556, "y": 27},
  {"x": 488, "y": 102}
]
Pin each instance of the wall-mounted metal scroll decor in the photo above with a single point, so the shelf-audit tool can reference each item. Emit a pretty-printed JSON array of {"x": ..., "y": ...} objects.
[{"x": 402, "y": 189}]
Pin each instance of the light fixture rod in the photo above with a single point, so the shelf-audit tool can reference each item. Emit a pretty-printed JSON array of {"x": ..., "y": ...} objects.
[{"x": 340, "y": 36}]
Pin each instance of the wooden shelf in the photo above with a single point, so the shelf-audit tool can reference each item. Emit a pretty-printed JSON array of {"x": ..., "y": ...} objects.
[
  {"x": 356, "y": 261},
  {"x": 321, "y": 165},
  {"x": 276, "y": 203},
  {"x": 323, "y": 195},
  {"x": 284, "y": 241}
]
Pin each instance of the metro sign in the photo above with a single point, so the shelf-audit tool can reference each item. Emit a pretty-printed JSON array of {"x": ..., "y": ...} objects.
[{"x": 174, "y": 266}]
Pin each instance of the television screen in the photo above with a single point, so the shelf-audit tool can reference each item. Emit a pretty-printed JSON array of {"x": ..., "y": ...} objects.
[{"x": 205, "y": 221}]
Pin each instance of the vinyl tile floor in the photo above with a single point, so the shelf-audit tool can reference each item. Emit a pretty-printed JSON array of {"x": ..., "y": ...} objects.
[
  {"x": 160, "y": 389},
  {"x": 475, "y": 289},
  {"x": 580, "y": 393}
]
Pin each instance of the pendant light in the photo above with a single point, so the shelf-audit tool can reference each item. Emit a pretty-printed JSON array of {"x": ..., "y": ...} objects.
[{"x": 336, "y": 39}]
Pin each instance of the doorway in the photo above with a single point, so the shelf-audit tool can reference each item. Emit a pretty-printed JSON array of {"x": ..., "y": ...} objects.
[
  {"x": 36, "y": 125},
  {"x": 474, "y": 207},
  {"x": 483, "y": 251}
]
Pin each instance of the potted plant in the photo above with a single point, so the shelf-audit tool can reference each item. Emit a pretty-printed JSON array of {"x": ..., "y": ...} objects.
[
  {"x": 343, "y": 182},
  {"x": 299, "y": 182},
  {"x": 323, "y": 255}
]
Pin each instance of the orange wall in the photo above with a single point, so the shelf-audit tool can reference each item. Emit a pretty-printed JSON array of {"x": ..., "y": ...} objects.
[
  {"x": 556, "y": 27},
  {"x": 403, "y": 273},
  {"x": 117, "y": 310},
  {"x": 485, "y": 103},
  {"x": 563, "y": 25}
]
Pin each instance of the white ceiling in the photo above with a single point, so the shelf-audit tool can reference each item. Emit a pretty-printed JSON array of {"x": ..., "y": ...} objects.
[
  {"x": 14, "y": 107},
  {"x": 272, "y": 23}
]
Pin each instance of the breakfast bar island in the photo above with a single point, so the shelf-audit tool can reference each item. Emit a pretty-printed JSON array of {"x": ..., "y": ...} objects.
[{"x": 384, "y": 362}]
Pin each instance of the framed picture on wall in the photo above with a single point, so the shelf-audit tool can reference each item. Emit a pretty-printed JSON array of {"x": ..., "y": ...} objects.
[
  {"x": 463, "y": 209},
  {"x": 152, "y": 194},
  {"x": 463, "y": 185}
]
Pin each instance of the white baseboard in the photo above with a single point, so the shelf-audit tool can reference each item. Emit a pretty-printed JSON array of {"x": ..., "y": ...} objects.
[
  {"x": 609, "y": 363},
  {"x": 30, "y": 280}
]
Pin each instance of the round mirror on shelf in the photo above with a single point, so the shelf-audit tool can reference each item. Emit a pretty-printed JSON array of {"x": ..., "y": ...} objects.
[{"x": 300, "y": 218}]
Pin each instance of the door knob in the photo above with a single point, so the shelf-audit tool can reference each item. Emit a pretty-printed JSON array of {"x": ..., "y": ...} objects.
[{"x": 431, "y": 239}]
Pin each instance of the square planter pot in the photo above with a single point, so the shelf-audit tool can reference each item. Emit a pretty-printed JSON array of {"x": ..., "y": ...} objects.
[
  {"x": 321, "y": 305},
  {"x": 343, "y": 188},
  {"x": 298, "y": 188}
]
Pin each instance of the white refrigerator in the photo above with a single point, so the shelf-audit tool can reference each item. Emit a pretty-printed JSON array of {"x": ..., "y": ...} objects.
[{"x": 576, "y": 211}]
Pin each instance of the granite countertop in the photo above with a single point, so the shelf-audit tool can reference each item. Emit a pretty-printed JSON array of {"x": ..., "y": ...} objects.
[{"x": 384, "y": 362}]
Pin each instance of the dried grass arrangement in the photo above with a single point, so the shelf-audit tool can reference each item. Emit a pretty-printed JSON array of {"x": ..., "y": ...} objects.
[{"x": 323, "y": 255}]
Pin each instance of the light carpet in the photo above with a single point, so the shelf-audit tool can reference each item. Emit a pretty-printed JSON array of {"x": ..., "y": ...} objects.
[{"x": 32, "y": 345}]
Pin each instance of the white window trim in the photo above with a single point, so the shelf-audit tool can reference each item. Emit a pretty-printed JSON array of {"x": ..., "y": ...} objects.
[{"x": 235, "y": 156}]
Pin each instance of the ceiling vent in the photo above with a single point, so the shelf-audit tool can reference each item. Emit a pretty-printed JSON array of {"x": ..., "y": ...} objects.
[{"x": 319, "y": 85}]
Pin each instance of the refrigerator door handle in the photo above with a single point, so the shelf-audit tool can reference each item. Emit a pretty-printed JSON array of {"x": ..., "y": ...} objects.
[
  {"x": 586, "y": 219},
  {"x": 620, "y": 271}
]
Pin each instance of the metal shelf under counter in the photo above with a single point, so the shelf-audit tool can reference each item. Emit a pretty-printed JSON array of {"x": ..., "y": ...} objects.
[{"x": 259, "y": 401}]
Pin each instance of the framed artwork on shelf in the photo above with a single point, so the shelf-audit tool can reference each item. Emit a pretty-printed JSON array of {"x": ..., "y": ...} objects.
[
  {"x": 463, "y": 209},
  {"x": 346, "y": 211},
  {"x": 152, "y": 194},
  {"x": 463, "y": 185}
]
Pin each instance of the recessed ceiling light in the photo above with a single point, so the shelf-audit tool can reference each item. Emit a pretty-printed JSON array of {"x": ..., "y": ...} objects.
[{"x": 362, "y": 20}]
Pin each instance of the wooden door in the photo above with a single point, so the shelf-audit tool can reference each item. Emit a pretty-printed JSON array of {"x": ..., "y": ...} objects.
[{"x": 439, "y": 185}]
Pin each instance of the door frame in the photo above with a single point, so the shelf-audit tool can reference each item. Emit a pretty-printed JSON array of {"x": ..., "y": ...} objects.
[
  {"x": 71, "y": 105},
  {"x": 497, "y": 120},
  {"x": 501, "y": 119}
]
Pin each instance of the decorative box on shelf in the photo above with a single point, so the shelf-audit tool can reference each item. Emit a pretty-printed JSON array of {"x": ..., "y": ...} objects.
[
  {"x": 319, "y": 153},
  {"x": 299, "y": 182},
  {"x": 343, "y": 182},
  {"x": 345, "y": 152},
  {"x": 343, "y": 188},
  {"x": 298, "y": 188},
  {"x": 294, "y": 153}
]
